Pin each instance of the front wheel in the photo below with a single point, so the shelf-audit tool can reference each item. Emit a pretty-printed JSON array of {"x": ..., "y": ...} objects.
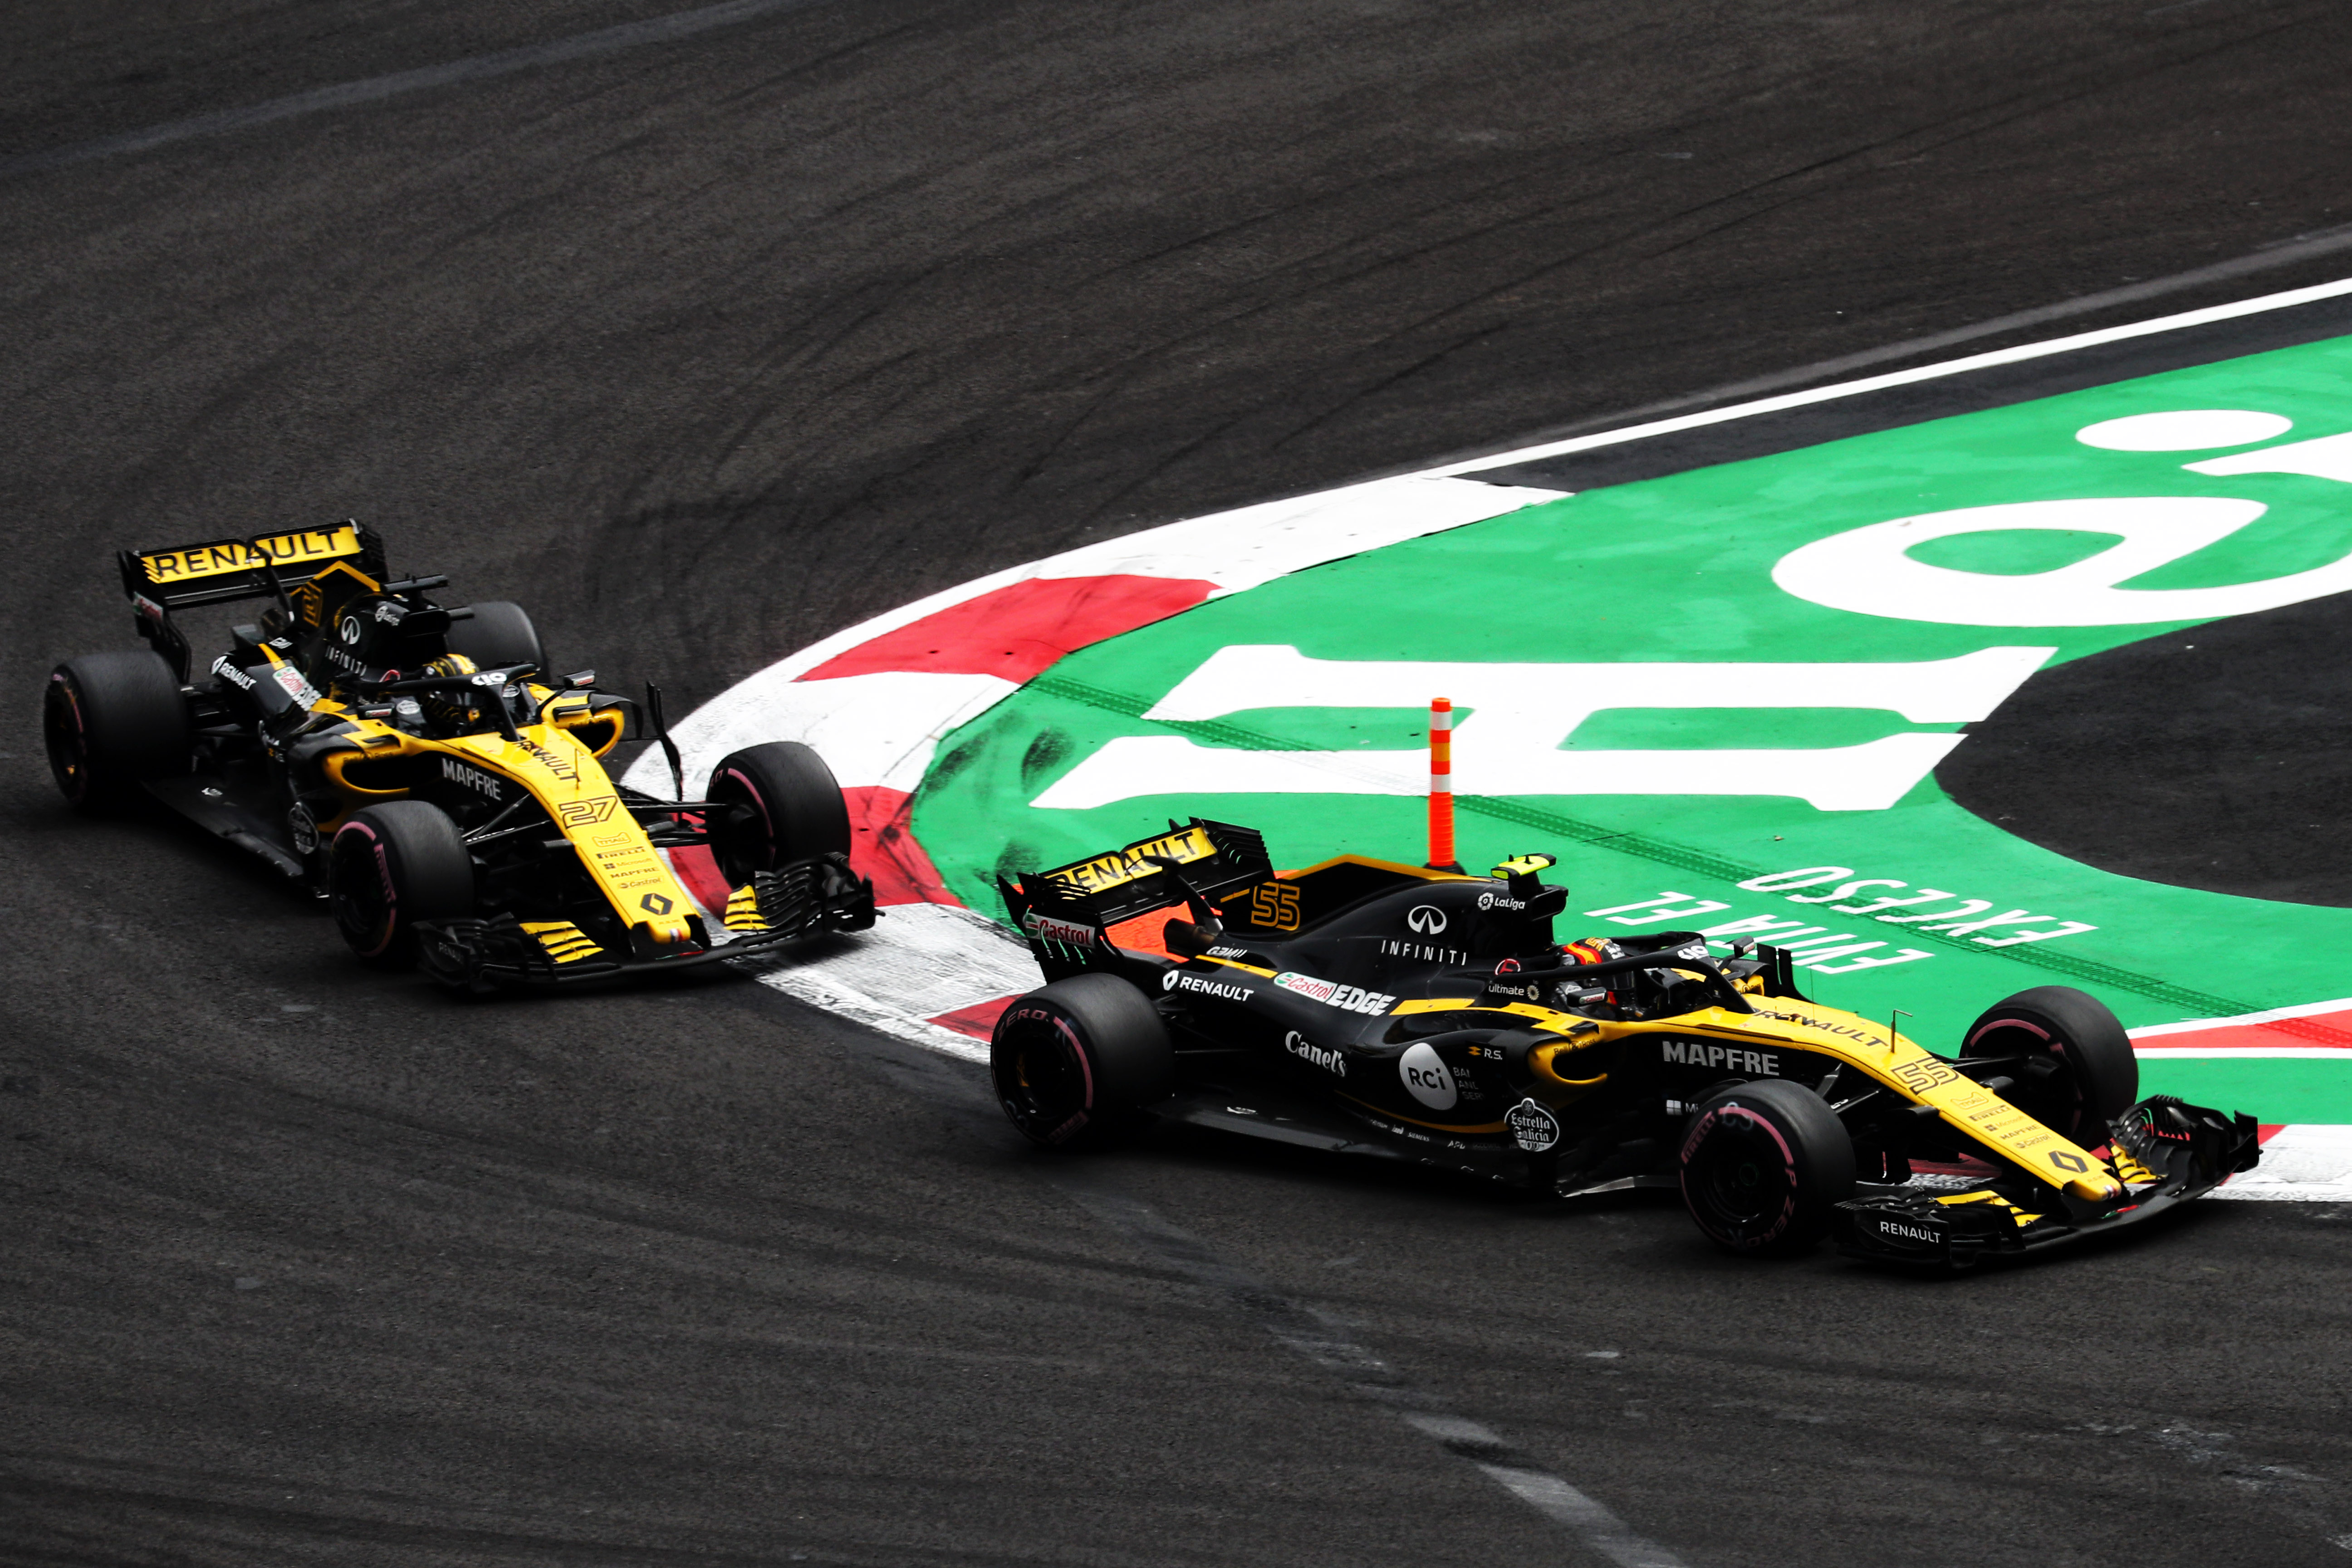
[
  {"x": 1763, "y": 1166},
  {"x": 392, "y": 865},
  {"x": 1075, "y": 1060},
  {"x": 777, "y": 803},
  {"x": 2069, "y": 1063}
]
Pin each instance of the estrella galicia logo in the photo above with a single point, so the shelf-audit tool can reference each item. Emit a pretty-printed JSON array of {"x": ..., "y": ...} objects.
[
  {"x": 655, "y": 903},
  {"x": 1533, "y": 1126},
  {"x": 1426, "y": 919}
]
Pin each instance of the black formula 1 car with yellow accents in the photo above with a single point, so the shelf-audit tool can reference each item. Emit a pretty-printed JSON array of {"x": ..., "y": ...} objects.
[
  {"x": 1379, "y": 1008},
  {"x": 417, "y": 765}
]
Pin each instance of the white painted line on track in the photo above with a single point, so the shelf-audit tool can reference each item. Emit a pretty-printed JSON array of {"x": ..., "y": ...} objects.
[
  {"x": 1314, "y": 1335},
  {"x": 396, "y": 84},
  {"x": 2288, "y": 252},
  {"x": 2268, "y": 1014},
  {"x": 2017, "y": 354}
]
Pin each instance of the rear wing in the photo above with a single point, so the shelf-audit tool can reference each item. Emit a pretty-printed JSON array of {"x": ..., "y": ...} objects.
[
  {"x": 1066, "y": 912},
  {"x": 229, "y": 569}
]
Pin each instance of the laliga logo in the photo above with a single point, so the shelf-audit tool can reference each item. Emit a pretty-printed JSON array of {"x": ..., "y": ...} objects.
[{"x": 1426, "y": 919}]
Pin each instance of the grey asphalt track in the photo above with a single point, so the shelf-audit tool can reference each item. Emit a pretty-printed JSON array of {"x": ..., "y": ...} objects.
[{"x": 708, "y": 349}]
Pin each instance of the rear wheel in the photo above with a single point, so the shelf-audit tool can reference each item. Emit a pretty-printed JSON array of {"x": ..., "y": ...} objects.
[
  {"x": 2069, "y": 1063},
  {"x": 391, "y": 866},
  {"x": 110, "y": 721},
  {"x": 1075, "y": 1060},
  {"x": 778, "y": 804},
  {"x": 497, "y": 634},
  {"x": 1763, "y": 1165}
]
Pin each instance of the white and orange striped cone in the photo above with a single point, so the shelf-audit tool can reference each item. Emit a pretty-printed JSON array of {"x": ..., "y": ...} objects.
[{"x": 1441, "y": 787}]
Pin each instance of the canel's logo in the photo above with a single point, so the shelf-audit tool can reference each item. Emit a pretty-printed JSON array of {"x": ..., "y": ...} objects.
[
  {"x": 1298, "y": 1044},
  {"x": 1426, "y": 919}
]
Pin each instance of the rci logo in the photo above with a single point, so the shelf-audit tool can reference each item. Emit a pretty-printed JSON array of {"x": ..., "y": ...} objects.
[
  {"x": 1426, "y": 919},
  {"x": 655, "y": 904}
]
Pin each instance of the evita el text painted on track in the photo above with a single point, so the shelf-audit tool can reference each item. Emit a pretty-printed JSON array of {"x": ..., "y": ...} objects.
[{"x": 1724, "y": 694}]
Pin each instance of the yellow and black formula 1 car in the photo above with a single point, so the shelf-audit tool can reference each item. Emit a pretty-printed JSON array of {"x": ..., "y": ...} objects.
[
  {"x": 1378, "y": 1008},
  {"x": 414, "y": 765}
]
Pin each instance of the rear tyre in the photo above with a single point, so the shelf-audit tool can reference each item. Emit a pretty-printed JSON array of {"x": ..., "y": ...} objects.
[
  {"x": 2071, "y": 1063},
  {"x": 498, "y": 633},
  {"x": 778, "y": 804},
  {"x": 1763, "y": 1165},
  {"x": 1075, "y": 1061},
  {"x": 111, "y": 720},
  {"x": 391, "y": 866}
]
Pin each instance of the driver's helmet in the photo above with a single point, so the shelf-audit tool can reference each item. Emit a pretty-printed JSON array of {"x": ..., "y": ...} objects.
[
  {"x": 452, "y": 712},
  {"x": 1591, "y": 949}
]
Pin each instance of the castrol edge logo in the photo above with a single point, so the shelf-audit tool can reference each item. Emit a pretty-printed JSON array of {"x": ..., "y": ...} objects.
[
  {"x": 1346, "y": 999},
  {"x": 1070, "y": 933}
]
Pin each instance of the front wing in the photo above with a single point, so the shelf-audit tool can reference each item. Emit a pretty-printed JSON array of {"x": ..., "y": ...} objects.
[
  {"x": 808, "y": 898},
  {"x": 2164, "y": 1151}
]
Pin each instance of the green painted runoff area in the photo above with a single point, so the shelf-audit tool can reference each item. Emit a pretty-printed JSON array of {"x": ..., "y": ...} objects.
[{"x": 1680, "y": 570}]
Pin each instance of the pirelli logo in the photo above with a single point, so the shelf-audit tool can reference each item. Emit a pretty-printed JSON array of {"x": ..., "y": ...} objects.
[{"x": 166, "y": 567}]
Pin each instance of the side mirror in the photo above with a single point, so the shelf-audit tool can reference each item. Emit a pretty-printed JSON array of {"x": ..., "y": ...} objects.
[{"x": 581, "y": 680}]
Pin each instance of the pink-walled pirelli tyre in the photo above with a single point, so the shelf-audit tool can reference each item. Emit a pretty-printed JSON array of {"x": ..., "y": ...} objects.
[
  {"x": 788, "y": 807},
  {"x": 391, "y": 866},
  {"x": 111, "y": 720},
  {"x": 1074, "y": 1062},
  {"x": 2070, "y": 1065},
  {"x": 1763, "y": 1165}
]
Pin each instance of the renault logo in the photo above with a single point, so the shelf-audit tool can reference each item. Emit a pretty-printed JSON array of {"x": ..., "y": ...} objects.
[
  {"x": 655, "y": 904},
  {"x": 1426, "y": 919}
]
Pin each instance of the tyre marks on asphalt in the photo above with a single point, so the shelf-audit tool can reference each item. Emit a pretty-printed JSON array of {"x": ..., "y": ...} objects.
[
  {"x": 1318, "y": 1339},
  {"x": 399, "y": 84}
]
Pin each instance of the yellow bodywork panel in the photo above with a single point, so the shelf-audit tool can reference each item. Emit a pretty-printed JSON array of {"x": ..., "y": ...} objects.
[
  {"x": 579, "y": 797},
  {"x": 564, "y": 943},
  {"x": 743, "y": 911},
  {"x": 1863, "y": 1047},
  {"x": 565, "y": 777}
]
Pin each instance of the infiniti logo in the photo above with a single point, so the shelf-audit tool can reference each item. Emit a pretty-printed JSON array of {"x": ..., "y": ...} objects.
[{"x": 1426, "y": 919}]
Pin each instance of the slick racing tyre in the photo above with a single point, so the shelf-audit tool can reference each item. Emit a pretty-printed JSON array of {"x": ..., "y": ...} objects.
[
  {"x": 786, "y": 807},
  {"x": 112, "y": 719},
  {"x": 1074, "y": 1061},
  {"x": 498, "y": 633},
  {"x": 1763, "y": 1165},
  {"x": 2069, "y": 1064},
  {"x": 391, "y": 866}
]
